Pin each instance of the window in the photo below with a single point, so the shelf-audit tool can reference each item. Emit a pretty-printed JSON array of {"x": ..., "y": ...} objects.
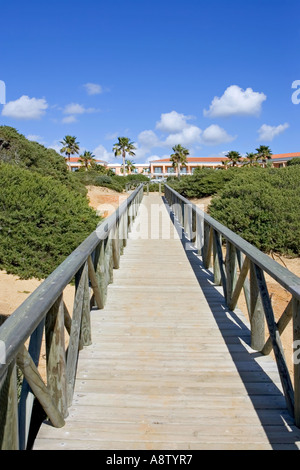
[{"x": 158, "y": 169}]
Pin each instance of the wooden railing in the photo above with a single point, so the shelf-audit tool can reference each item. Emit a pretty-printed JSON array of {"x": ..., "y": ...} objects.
[
  {"x": 44, "y": 315},
  {"x": 239, "y": 266}
]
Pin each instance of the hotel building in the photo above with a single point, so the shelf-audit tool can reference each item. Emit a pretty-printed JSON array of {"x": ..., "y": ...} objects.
[{"x": 161, "y": 169}]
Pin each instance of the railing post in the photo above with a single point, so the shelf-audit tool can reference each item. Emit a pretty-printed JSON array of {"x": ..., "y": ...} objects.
[
  {"x": 231, "y": 270},
  {"x": 216, "y": 263},
  {"x": 296, "y": 360},
  {"x": 55, "y": 355},
  {"x": 9, "y": 433},
  {"x": 257, "y": 320}
]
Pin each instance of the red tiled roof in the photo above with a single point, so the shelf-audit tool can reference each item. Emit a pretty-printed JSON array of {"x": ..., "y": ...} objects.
[
  {"x": 76, "y": 160},
  {"x": 220, "y": 159},
  {"x": 194, "y": 160},
  {"x": 286, "y": 155}
]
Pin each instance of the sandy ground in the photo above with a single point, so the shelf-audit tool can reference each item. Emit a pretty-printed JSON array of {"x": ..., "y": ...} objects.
[
  {"x": 105, "y": 200},
  {"x": 14, "y": 291}
]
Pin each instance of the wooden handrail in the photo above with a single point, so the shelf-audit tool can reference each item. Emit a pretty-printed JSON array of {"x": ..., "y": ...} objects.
[
  {"x": 239, "y": 266},
  {"x": 44, "y": 313}
]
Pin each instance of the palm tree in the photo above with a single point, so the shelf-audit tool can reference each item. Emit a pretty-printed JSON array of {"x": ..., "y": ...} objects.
[
  {"x": 179, "y": 157},
  {"x": 264, "y": 153},
  {"x": 234, "y": 157},
  {"x": 225, "y": 164},
  {"x": 87, "y": 159},
  {"x": 251, "y": 159},
  {"x": 129, "y": 166},
  {"x": 123, "y": 146},
  {"x": 70, "y": 147}
]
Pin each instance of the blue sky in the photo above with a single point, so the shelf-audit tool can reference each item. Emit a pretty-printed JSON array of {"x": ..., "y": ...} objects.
[{"x": 211, "y": 75}]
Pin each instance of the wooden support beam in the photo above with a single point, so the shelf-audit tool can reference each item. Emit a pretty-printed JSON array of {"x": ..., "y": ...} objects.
[
  {"x": 219, "y": 255},
  {"x": 9, "y": 432},
  {"x": 296, "y": 359},
  {"x": 41, "y": 392},
  {"x": 94, "y": 284},
  {"x": 73, "y": 348},
  {"x": 281, "y": 325},
  {"x": 276, "y": 341},
  {"x": 239, "y": 284},
  {"x": 56, "y": 356},
  {"x": 257, "y": 318}
]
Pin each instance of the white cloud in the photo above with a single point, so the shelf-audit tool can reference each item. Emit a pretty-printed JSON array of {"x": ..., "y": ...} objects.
[
  {"x": 25, "y": 108},
  {"x": 69, "y": 119},
  {"x": 103, "y": 154},
  {"x": 188, "y": 136},
  {"x": 35, "y": 138},
  {"x": 148, "y": 139},
  {"x": 93, "y": 88},
  {"x": 152, "y": 158},
  {"x": 172, "y": 122},
  {"x": 214, "y": 135},
  {"x": 236, "y": 101},
  {"x": 269, "y": 132},
  {"x": 75, "y": 108}
]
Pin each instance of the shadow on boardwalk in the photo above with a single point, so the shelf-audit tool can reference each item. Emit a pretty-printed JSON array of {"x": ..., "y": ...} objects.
[{"x": 269, "y": 403}]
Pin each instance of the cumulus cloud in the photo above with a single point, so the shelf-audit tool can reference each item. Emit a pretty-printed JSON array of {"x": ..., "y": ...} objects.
[
  {"x": 269, "y": 132},
  {"x": 25, "y": 108},
  {"x": 102, "y": 153},
  {"x": 236, "y": 101},
  {"x": 69, "y": 119},
  {"x": 75, "y": 108},
  {"x": 93, "y": 88},
  {"x": 148, "y": 139},
  {"x": 188, "y": 136},
  {"x": 214, "y": 135},
  {"x": 172, "y": 122}
]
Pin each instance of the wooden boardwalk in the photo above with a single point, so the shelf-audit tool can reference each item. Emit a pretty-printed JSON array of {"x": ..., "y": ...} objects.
[{"x": 170, "y": 366}]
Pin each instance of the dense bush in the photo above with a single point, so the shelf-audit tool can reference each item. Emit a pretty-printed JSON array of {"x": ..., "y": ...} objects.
[
  {"x": 108, "y": 180},
  {"x": 204, "y": 182},
  {"x": 262, "y": 205},
  {"x": 15, "y": 149},
  {"x": 294, "y": 161},
  {"x": 41, "y": 221}
]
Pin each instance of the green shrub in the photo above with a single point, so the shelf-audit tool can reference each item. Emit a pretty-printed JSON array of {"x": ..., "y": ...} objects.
[
  {"x": 262, "y": 206},
  {"x": 15, "y": 149},
  {"x": 294, "y": 161},
  {"x": 41, "y": 222},
  {"x": 205, "y": 182}
]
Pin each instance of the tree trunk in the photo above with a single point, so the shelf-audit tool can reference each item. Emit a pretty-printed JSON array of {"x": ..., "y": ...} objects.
[{"x": 124, "y": 166}]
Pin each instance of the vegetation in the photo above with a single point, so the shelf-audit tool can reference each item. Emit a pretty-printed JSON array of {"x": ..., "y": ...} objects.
[
  {"x": 234, "y": 157},
  {"x": 70, "y": 147},
  {"x": 122, "y": 147},
  {"x": 264, "y": 153},
  {"x": 86, "y": 159},
  {"x": 104, "y": 177},
  {"x": 179, "y": 158},
  {"x": 294, "y": 161},
  {"x": 262, "y": 206},
  {"x": 41, "y": 221},
  {"x": 204, "y": 182}
]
